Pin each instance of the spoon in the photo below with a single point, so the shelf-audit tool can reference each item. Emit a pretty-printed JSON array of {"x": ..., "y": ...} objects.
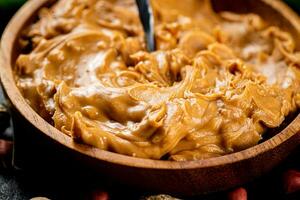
[{"x": 146, "y": 17}]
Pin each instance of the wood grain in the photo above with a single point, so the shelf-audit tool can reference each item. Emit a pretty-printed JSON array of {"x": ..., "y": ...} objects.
[{"x": 184, "y": 178}]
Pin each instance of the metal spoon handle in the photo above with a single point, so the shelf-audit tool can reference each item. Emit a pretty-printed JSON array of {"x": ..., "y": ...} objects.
[{"x": 146, "y": 17}]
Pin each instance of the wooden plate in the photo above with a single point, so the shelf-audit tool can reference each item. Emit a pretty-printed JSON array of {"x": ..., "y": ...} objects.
[{"x": 185, "y": 178}]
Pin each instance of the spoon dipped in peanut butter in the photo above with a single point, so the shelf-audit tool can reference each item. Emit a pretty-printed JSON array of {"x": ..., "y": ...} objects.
[{"x": 146, "y": 17}]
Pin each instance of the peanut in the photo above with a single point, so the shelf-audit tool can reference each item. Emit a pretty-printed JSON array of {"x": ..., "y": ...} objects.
[
  {"x": 5, "y": 148},
  {"x": 291, "y": 181},
  {"x": 238, "y": 194},
  {"x": 100, "y": 195}
]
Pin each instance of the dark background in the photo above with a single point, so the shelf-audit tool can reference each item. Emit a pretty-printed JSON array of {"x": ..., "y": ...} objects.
[{"x": 19, "y": 185}]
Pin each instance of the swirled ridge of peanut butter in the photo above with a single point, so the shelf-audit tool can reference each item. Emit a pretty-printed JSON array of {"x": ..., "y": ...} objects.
[{"x": 214, "y": 86}]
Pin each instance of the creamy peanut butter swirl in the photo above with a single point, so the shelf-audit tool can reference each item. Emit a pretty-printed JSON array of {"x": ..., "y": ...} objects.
[{"x": 213, "y": 87}]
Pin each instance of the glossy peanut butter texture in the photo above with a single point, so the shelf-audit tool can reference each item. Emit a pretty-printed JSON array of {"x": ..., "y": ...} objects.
[{"x": 214, "y": 86}]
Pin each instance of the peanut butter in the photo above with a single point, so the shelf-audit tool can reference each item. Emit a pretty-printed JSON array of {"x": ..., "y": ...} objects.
[{"x": 215, "y": 84}]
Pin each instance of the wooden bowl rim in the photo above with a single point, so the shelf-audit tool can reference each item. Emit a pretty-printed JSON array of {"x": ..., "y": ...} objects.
[{"x": 6, "y": 75}]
